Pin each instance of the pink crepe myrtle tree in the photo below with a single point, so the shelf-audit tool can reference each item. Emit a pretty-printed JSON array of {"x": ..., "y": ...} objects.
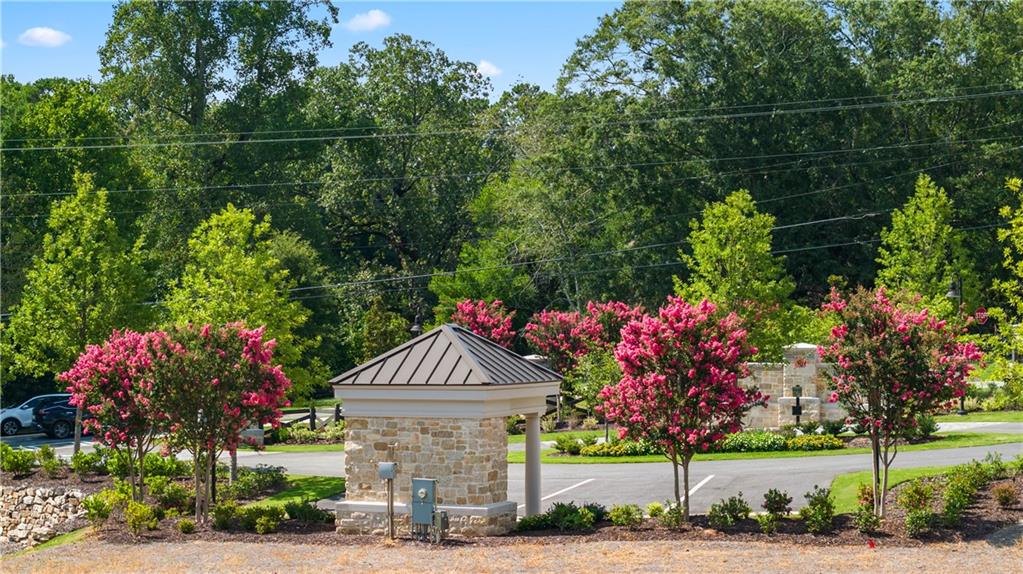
[
  {"x": 215, "y": 382},
  {"x": 611, "y": 317},
  {"x": 561, "y": 336},
  {"x": 113, "y": 381},
  {"x": 490, "y": 320},
  {"x": 889, "y": 366},
  {"x": 681, "y": 387}
]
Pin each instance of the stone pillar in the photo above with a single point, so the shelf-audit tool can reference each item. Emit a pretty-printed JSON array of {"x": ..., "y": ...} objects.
[{"x": 532, "y": 464}]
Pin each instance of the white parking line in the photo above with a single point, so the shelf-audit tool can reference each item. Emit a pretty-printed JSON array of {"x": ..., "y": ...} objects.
[
  {"x": 699, "y": 484},
  {"x": 564, "y": 490}
]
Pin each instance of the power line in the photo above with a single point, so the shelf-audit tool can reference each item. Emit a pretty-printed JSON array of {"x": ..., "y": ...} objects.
[
  {"x": 652, "y": 113},
  {"x": 814, "y": 154},
  {"x": 450, "y": 132}
]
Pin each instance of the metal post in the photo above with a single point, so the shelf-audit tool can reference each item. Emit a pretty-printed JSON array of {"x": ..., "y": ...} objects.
[
  {"x": 337, "y": 412},
  {"x": 798, "y": 410},
  {"x": 390, "y": 509},
  {"x": 312, "y": 417}
]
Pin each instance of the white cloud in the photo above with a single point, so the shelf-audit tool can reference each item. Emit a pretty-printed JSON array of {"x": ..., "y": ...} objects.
[
  {"x": 43, "y": 37},
  {"x": 369, "y": 21},
  {"x": 488, "y": 69}
]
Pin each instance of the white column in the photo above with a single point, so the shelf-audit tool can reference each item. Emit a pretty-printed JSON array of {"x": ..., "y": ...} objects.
[{"x": 532, "y": 464}]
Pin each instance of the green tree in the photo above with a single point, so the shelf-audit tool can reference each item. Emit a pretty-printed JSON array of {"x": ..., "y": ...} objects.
[
  {"x": 922, "y": 252},
  {"x": 187, "y": 71},
  {"x": 382, "y": 330},
  {"x": 86, "y": 282},
  {"x": 232, "y": 275},
  {"x": 402, "y": 198},
  {"x": 1012, "y": 250},
  {"x": 730, "y": 263}
]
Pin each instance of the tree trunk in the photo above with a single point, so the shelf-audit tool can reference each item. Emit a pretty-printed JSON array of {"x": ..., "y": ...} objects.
[
  {"x": 197, "y": 466},
  {"x": 131, "y": 473},
  {"x": 674, "y": 467},
  {"x": 685, "y": 474},
  {"x": 141, "y": 461},
  {"x": 78, "y": 428},
  {"x": 875, "y": 459}
]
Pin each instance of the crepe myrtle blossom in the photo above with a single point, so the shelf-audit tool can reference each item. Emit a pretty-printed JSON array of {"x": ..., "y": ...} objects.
[
  {"x": 217, "y": 381},
  {"x": 489, "y": 320},
  {"x": 565, "y": 336},
  {"x": 114, "y": 382},
  {"x": 889, "y": 365},
  {"x": 681, "y": 385}
]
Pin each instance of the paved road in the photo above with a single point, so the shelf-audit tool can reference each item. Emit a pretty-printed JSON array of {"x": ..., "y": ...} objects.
[{"x": 649, "y": 482}]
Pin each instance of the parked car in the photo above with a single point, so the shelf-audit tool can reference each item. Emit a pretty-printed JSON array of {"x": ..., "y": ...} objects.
[
  {"x": 22, "y": 416},
  {"x": 57, "y": 419}
]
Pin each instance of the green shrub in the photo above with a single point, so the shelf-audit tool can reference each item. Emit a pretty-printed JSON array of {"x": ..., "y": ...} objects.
[
  {"x": 560, "y": 516},
  {"x": 819, "y": 512},
  {"x": 590, "y": 423},
  {"x": 266, "y": 525},
  {"x": 568, "y": 445},
  {"x": 916, "y": 496},
  {"x": 307, "y": 511},
  {"x": 833, "y": 427},
  {"x": 777, "y": 502},
  {"x": 865, "y": 494},
  {"x": 45, "y": 453},
  {"x": 628, "y": 515},
  {"x": 814, "y": 442},
  {"x": 918, "y": 522},
  {"x": 752, "y": 441},
  {"x": 83, "y": 463},
  {"x": 995, "y": 466},
  {"x": 186, "y": 526},
  {"x": 588, "y": 440},
  {"x": 156, "y": 465},
  {"x": 137, "y": 516},
  {"x": 167, "y": 493},
  {"x": 97, "y": 508},
  {"x": 598, "y": 510},
  {"x": 549, "y": 423},
  {"x": 225, "y": 514},
  {"x": 809, "y": 427},
  {"x": 335, "y": 432},
  {"x": 621, "y": 448},
  {"x": 654, "y": 509},
  {"x": 926, "y": 425},
  {"x": 768, "y": 523},
  {"x": 302, "y": 435},
  {"x": 728, "y": 512},
  {"x": 249, "y": 517},
  {"x": 511, "y": 425},
  {"x": 18, "y": 462},
  {"x": 1005, "y": 495},
  {"x": 53, "y": 467},
  {"x": 671, "y": 517},
  {"x": 865, "y": 520},
  {"x": 253, "y": 482}
]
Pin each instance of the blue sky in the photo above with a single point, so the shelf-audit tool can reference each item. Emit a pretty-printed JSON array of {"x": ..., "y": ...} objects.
[{"x": 517, "y": 40}]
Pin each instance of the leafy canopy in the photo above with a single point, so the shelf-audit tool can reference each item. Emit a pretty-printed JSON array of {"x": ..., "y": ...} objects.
[{"x": 231, "y": 275}]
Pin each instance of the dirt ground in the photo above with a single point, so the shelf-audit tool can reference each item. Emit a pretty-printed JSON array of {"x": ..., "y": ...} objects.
[{"x": 604, "y": 556}]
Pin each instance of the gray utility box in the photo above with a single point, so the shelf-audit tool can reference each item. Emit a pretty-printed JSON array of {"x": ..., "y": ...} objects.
[
  {"x": 424, "y": 501},
  {"x": 387, "y": 470}
]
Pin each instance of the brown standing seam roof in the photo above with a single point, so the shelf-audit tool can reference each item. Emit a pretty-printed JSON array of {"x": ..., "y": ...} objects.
[{"x": 447, "y": 355}]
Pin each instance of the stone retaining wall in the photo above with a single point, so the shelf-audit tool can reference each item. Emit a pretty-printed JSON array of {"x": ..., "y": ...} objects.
[{"x": 31, "y": 515}]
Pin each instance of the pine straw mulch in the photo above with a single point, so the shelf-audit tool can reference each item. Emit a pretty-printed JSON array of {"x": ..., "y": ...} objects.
[{"x": 982, "y": 519}]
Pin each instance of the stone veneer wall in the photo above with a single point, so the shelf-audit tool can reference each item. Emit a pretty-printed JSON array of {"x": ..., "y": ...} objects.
[
  {"x": 467, "y": 456},
  {"x": 30, "y": 515},
  {"x": 801, "y": 367}
]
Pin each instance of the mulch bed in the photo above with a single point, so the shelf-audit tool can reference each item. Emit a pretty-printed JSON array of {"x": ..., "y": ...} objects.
[
  {"x": 982, "y": 519},
  {"x": 38, "y": 479}
]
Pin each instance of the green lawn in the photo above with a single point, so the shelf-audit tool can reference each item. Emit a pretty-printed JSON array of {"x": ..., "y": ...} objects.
[
  {"x": 521, "y": 438},
  {"x": 304, "y": 487},
  {"x": 983, "y": 417},
  {"x": 302, "y": 406},
  {"x": 949, "y": 440},
  {"x": 845, "y": 486}
]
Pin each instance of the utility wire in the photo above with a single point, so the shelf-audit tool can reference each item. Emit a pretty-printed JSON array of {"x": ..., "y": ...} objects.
[{"x": 450, "y": 132}]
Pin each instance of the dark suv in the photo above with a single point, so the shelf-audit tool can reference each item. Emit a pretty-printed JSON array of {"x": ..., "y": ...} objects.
[{"x": 58, "y": 419}]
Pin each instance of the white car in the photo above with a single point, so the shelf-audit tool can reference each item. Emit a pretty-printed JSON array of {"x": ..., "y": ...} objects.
[{"x": 16, "y": 418}]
